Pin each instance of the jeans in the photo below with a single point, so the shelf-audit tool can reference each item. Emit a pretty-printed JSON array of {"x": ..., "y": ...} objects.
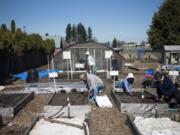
[{"x": 96, "y": 90}]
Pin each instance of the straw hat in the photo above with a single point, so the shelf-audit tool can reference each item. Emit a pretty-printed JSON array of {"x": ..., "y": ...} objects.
[{"x": 130, "y": 75}]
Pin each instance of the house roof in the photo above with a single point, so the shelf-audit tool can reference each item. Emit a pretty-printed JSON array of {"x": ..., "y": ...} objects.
[{"x": 172, "y": 47}]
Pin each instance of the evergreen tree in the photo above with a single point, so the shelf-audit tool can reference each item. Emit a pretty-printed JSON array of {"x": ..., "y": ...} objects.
[
  {"x": 13, "y": 26},
  {"x": 74, "y": 33},
  {"x": 165, "y": 27},
  {"x": 114, "y": 44},
  {"x": 3, "y": 27},
  {"x": 81, "y": 33},
  {"x": 61, "y": 44},
  {"x": 89, "y": 34},
  {"x": 68, "y": 33}
]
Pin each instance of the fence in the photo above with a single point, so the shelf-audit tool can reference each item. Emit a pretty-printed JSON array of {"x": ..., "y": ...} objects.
[{"x": 18, "y": 63}]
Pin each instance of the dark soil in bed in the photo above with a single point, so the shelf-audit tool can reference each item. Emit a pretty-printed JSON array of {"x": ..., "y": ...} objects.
[
  {"x": 136, "y": 97},
  {"x": 76, "y": 98},
  {"x": 10, "y": 100}
]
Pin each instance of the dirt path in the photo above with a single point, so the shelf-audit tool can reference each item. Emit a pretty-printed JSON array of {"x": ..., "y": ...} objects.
[{"x": 109, "y": 121}]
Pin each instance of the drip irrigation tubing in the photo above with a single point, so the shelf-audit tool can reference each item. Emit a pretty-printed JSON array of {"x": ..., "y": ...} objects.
[{"x": 63, "y": 107}]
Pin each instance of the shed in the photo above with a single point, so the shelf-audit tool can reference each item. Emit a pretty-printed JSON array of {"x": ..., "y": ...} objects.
[
  {"x": 172, "y": 54},
  {"x": 78, "y": 57}
]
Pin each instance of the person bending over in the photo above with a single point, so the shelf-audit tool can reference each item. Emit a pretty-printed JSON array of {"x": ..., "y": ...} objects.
[
  {"x": 164, "y": 87},
  {"x": 126, "y": 84},
  {"x": 93, "y": 83}
]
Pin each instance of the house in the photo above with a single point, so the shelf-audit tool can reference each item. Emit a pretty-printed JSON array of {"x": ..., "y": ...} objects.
[{"x": 172, "y": 54}]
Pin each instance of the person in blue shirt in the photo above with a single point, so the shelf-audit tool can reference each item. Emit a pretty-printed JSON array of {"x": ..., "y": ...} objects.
[
  {"x": 126, "y": 84},
  {"x": 164, "y": 86}
]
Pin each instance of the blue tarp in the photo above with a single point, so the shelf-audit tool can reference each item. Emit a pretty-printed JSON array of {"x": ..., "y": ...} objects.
[
  {"x": 42, "y": 74},
  {"x": 178, "y": 68},
  {"x": 149, "y": 71},
  {"x": 21, "y": 76},
  {"x": 55, "y": 70}
]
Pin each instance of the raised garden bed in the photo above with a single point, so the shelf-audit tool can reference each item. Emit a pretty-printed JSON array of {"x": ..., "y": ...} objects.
[
  {"x": 135, "y": 104},
  {"x": 136, "y": 97},
  {"x": 58, "y": 105},
  {"x": 59, "y": 113},
  {"x": 163, "y": 124},
  {"x": 76, "y": 98},
  {"x": 11, "y": 104}
]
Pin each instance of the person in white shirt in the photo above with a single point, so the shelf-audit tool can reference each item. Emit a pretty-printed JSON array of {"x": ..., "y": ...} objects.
[{"x": 90, "y": 63}]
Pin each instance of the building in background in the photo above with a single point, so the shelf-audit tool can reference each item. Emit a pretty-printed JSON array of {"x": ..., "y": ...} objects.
[
  {"x": 78, "y": 56},
  {"x": 172, "y": 54}
]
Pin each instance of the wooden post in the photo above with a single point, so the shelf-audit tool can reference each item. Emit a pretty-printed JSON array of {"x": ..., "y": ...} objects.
[
  {"x": 71, "y": 68},
  {"x": 67, "y": 70}
]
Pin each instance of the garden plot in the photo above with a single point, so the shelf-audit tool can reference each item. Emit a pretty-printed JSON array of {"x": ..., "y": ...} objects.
[
  {"x": 136, "y": 105},
  {"x": 78, "y": 104},
  {"x": 65, "y": 114},
  {"x": 10, "y": 104}
]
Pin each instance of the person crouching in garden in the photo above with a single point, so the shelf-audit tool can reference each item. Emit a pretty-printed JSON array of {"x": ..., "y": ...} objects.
[
  {"x": 93, "y": 83},
  {"x": 164, "y": 87},
  {"x": 126, "y": 84}
]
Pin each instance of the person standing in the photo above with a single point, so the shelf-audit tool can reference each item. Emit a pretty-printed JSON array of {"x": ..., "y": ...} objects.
[{"x": 90, "y": 63}]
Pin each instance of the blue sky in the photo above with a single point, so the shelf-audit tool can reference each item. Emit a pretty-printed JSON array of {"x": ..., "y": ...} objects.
[{"x": 126, "y": 20}]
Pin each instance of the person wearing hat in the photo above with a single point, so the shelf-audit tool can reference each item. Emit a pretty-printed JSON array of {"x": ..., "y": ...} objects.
[
  {"x": 93, "y": 83},
  {"x": 126, "y": 84},
  {"x": 164, "y": 87},
  {"x": 90, "y": 63}
]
